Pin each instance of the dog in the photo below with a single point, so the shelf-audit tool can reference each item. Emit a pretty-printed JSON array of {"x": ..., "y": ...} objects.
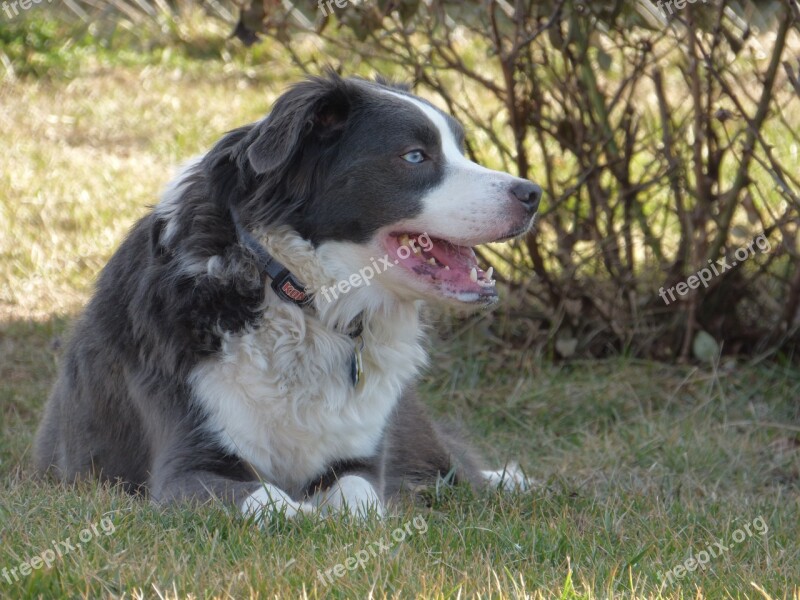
[{"x": 208, "y": 365}]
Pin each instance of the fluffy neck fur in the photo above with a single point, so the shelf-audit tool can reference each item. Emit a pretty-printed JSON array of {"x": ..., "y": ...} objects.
[
  {"x": 317, "y": 271},
  {"x": 279, "y": 395}
]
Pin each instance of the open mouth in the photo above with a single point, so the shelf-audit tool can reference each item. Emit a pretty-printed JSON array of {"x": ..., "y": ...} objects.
[{"x": 453, "y": 270}]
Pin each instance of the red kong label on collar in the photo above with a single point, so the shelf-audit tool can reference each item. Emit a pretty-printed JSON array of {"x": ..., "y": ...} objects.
[{"x": 293, "y": 292}]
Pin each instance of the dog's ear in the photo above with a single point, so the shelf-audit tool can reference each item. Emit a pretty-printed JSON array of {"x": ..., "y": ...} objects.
[{"x": 318, "y": 107}]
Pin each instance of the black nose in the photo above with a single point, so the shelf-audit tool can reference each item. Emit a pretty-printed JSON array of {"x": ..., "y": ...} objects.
[{"x": 528, "y": 193}]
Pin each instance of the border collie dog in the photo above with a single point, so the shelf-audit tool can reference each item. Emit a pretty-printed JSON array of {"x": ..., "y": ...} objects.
[{"x": 205, "y": 366}]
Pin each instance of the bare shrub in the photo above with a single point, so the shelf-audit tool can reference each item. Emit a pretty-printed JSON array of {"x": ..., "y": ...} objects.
[{"x": 664, "y": 145}]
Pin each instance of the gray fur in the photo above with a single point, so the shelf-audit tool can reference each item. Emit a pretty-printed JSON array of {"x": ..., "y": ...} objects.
[{"x": 121, "y": 409}]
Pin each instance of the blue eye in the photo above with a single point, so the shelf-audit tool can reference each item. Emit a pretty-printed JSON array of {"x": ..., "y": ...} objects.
[{"x": 414, "y": 157}]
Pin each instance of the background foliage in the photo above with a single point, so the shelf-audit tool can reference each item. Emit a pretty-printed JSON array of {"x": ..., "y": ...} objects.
[{"x": 664, "y": 142}]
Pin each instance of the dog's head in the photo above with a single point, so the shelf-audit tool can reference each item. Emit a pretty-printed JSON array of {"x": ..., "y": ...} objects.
[{"x": 376, "y": 179}]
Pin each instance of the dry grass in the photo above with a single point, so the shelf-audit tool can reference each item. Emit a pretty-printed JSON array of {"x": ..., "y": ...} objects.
[{"x": 87, "y": 158}]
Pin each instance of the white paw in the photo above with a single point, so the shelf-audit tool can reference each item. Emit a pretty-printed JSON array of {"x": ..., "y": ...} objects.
[
  {"x": 509, "y": 479},
  {"x": 350, "y": 494},
  {"x": 270, "y": 499}
]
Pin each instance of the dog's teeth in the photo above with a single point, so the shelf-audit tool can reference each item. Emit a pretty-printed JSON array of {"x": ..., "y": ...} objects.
[
  {"x": 446, "y": 268},
  {"x": 432, "y": 261},
  {"x": 489, "y": 273},
  {"x": 473, "y": 275},
  {"x": 404, "y": 239}
]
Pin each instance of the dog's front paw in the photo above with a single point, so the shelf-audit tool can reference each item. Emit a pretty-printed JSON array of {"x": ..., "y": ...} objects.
[
  {"x": 509, "y": 479},
  {"x": 269, "y": 499},
  {"x": 350, "y": 494}
]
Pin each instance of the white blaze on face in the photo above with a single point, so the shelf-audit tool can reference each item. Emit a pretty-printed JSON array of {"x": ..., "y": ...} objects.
[{"x": 472, "y": 204}]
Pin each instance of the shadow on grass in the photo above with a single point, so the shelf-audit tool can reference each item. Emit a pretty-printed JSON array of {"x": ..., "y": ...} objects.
[{"x": 29, "y": 351}]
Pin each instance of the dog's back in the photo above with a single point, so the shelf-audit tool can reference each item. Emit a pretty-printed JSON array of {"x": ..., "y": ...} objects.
[{"x": 90, "y": 425}]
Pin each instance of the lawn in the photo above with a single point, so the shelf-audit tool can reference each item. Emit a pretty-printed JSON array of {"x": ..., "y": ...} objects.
[{"x": 653, "y": 481}]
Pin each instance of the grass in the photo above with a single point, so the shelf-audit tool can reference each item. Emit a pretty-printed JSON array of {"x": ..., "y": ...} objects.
[{"x": 640, "y": 465}]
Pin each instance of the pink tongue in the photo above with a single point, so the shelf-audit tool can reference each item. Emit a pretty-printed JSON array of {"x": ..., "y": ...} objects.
[
  {"x": 456, "y": 257},
  {"x": 460, "y": 260}
]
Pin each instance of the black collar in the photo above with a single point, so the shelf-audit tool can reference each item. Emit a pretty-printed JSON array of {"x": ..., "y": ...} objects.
[{"x": 284, "y": 283}]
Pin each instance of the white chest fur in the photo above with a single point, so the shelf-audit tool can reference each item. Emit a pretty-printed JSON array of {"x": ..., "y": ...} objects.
[{"x": 281, "y": 397}]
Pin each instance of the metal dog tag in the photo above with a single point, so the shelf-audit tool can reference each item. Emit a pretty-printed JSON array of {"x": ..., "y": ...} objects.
[{"x": 357, "y": 365}]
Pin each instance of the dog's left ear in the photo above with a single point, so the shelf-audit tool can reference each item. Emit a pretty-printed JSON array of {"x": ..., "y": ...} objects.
[{"x": 317, "y": 108}]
